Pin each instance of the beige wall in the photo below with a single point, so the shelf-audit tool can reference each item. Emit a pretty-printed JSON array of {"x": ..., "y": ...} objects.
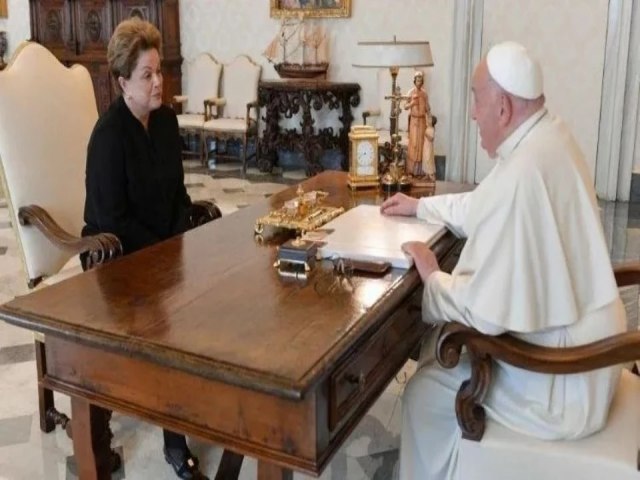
[
  {"x": 568, "y": 36},
  {"x": 16, "y": 24},
  {"x": 226, "y": 28}
]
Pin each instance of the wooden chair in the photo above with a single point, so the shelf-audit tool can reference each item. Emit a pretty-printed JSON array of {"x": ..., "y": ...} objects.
[
  {"x": 490, "y": 451},
  {"x": 47, "y": 113},
  {"x": 201, "y": 84},
  {"x": 236, "y": 113}
]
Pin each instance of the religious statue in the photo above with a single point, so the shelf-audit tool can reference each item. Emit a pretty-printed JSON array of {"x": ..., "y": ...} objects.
[{"x": 420, "y": 155}]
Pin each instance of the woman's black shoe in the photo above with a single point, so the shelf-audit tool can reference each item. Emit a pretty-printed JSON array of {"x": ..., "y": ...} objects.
[{"x": 184, "y": 464}]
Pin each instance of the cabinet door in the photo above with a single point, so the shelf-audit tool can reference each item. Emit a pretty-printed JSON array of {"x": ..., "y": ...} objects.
[
  {"x": 101, "y": 84},
  {"x": 93, "y": 28},
  {"x": 145, "y": 9},
  {"x": 51, "y": 23}
]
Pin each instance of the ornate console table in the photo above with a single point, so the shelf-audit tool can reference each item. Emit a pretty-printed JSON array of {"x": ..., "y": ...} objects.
[{"x": 288, "y": 98}]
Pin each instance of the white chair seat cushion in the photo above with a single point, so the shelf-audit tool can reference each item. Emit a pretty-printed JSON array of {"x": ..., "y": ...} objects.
[
  {"x": 226, "y": 125},
  {"x": 385, "y": 136},
  {"x": 191, "y": 120},
  {"x": 606, "y": 455}
]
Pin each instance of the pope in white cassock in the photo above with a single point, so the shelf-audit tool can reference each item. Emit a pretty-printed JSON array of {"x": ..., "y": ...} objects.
[{"x": 535, "y": 264}]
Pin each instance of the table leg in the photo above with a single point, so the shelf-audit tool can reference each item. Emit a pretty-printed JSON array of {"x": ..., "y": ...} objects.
[
  {"x": 269, "y": 471},
  {"x": 230, "y": 464},
  {"x": 91, "y": 440}
]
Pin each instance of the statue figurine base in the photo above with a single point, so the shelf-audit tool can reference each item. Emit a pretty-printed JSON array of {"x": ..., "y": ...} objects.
[{"x": 424, "y": 182}]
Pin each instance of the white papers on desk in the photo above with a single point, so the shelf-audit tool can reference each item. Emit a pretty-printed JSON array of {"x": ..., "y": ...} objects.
[{"x": 363, "y": 233}]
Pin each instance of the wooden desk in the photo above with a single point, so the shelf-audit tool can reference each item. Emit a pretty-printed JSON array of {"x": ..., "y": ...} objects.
[
  {"x": 198, "y": 334},
  {"x": 288, "y": 98}
]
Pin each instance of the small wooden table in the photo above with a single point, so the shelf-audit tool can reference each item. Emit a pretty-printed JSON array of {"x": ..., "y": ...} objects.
[
  {"x": 290, "y": 97},
  {"x": 200, "y": 335}
]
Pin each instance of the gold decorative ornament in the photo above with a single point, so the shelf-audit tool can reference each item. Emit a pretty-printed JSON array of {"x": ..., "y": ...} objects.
[
  {"x": 363, "y": 157},
  {"x": 304, "y": 213}
]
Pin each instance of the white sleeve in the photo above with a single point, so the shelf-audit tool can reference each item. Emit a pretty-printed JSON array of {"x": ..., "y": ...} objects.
[
  {"x": 439, "y": 303},
  {"x": 449, "y": 210}
]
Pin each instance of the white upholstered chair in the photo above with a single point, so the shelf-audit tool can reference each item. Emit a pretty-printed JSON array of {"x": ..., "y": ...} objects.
[
  {"x": 235, "y": 114},
  {"x": 489, "y": 451},
  {"x": 201, "y": 83},
  {"x": 47, "y": 113}
]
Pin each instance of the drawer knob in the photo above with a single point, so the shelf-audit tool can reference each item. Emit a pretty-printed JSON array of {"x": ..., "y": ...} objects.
[{"x": 358, "y": 380}]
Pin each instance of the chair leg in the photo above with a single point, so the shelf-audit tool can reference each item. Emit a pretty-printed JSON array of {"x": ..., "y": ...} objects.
[
  {"x": 49, "y": 416},
  {"x": 204, "y": 153},
  {"x": 244, "y": 156}
]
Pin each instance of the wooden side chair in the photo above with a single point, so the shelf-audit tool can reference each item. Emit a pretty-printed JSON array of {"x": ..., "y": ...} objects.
[
  {"x": 491, "y": 451},
  {"x": 235, "y": 115},
  {"x": 202, "y": 83},
  {"x": 47, "y": 114}
]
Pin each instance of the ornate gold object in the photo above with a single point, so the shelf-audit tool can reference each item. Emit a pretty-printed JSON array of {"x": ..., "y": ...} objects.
[{"x": 303, "y": 213}]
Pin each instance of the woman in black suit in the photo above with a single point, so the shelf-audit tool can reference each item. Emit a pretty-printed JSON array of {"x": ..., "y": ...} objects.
[{"x": 134, "y": 177}]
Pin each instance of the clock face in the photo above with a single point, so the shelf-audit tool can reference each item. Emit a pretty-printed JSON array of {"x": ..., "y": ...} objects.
[{"x": 365, "y": 159}]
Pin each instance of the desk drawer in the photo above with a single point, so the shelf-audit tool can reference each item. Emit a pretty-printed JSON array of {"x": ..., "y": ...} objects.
[{"x": 375, "y": 361}]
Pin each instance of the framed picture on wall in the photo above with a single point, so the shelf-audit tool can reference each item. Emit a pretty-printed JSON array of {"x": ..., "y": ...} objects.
[
  {"x": 310, "y": 8},
  {"x": 4, "y": 12}
]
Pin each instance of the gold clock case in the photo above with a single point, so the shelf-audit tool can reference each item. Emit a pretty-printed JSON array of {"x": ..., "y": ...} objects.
[{"x": 362, "y": 133}]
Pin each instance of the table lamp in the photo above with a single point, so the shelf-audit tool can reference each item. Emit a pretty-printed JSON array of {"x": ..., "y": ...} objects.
[{"x": 394, "y": 55}]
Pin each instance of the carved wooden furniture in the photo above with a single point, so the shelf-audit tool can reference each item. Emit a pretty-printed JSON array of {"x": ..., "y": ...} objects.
[
  {"x": 284, "y": 99},
  {"x": 236, "y": 114},
  {"x": 202, "y": 84},
  {"x": 263, "y": 366},
  {"x": 78, "y": 31},
  {"x": 44, "y": 179},
  {"x": 503, "y": 454}
]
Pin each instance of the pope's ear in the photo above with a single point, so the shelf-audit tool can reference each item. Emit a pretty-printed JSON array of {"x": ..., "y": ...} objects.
[{"x": 506, "y": 109}]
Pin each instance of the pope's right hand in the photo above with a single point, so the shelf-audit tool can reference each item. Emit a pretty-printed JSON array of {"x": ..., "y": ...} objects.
[{"x": 400, "y": 204}]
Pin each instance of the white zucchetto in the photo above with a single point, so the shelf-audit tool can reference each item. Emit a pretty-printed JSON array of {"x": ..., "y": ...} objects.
[{"x": 511, "y": 66}]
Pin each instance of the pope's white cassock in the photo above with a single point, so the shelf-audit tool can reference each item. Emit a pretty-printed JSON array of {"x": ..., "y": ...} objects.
[{"x": 536, "y": 264}]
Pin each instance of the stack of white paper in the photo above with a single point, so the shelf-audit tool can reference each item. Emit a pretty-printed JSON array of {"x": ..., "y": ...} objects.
[{"x": 363, "y": 233}]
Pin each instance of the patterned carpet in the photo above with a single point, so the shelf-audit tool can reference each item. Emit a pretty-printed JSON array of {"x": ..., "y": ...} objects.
[{"x": 371, "y": 452}]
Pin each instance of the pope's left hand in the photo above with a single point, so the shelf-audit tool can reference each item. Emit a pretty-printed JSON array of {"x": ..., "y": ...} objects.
[{"x": 425, "y": 260}]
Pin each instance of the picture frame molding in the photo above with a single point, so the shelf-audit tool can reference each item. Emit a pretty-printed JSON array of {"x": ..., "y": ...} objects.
[{"x": 314, "y": 12}]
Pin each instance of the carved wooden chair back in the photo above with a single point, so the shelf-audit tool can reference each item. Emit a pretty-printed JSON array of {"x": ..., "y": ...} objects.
[
  {"x": 240, "y": 87},
  {"x": 489, "y": 450},
  {"x": 47, "y": 113},
  {"x": 202, "y": 82}
]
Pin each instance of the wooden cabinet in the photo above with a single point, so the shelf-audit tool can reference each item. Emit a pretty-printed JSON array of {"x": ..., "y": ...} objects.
[{"x": 78, "y": 31}]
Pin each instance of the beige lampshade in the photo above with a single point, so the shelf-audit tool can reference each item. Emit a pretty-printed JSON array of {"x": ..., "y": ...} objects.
[{"x": 393, "y": 54}]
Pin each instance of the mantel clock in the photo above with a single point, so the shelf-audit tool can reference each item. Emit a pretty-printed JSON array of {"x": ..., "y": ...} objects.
[{"x": 363, "y": 157}]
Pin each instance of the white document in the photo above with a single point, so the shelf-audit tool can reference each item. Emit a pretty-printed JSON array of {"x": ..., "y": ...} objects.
[{"x": 363, "y": 233}]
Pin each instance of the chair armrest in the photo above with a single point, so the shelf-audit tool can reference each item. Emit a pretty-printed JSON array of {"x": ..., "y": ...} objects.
[
  {"x": 204, "y": 212},
  {"x": 100, "y": 248},
  {"x": 210, "y": 104},
  {"x": 178, "y": 102},
  {"x": 627, "y": 273},
  {"x": 370, "y": 113},
  {"x": 483, "y": 349}
]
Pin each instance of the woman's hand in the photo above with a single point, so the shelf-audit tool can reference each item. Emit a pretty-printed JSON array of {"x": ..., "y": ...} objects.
[
  {"x": 424, "y": 259},
  {"x": 400, "y": 204}
]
